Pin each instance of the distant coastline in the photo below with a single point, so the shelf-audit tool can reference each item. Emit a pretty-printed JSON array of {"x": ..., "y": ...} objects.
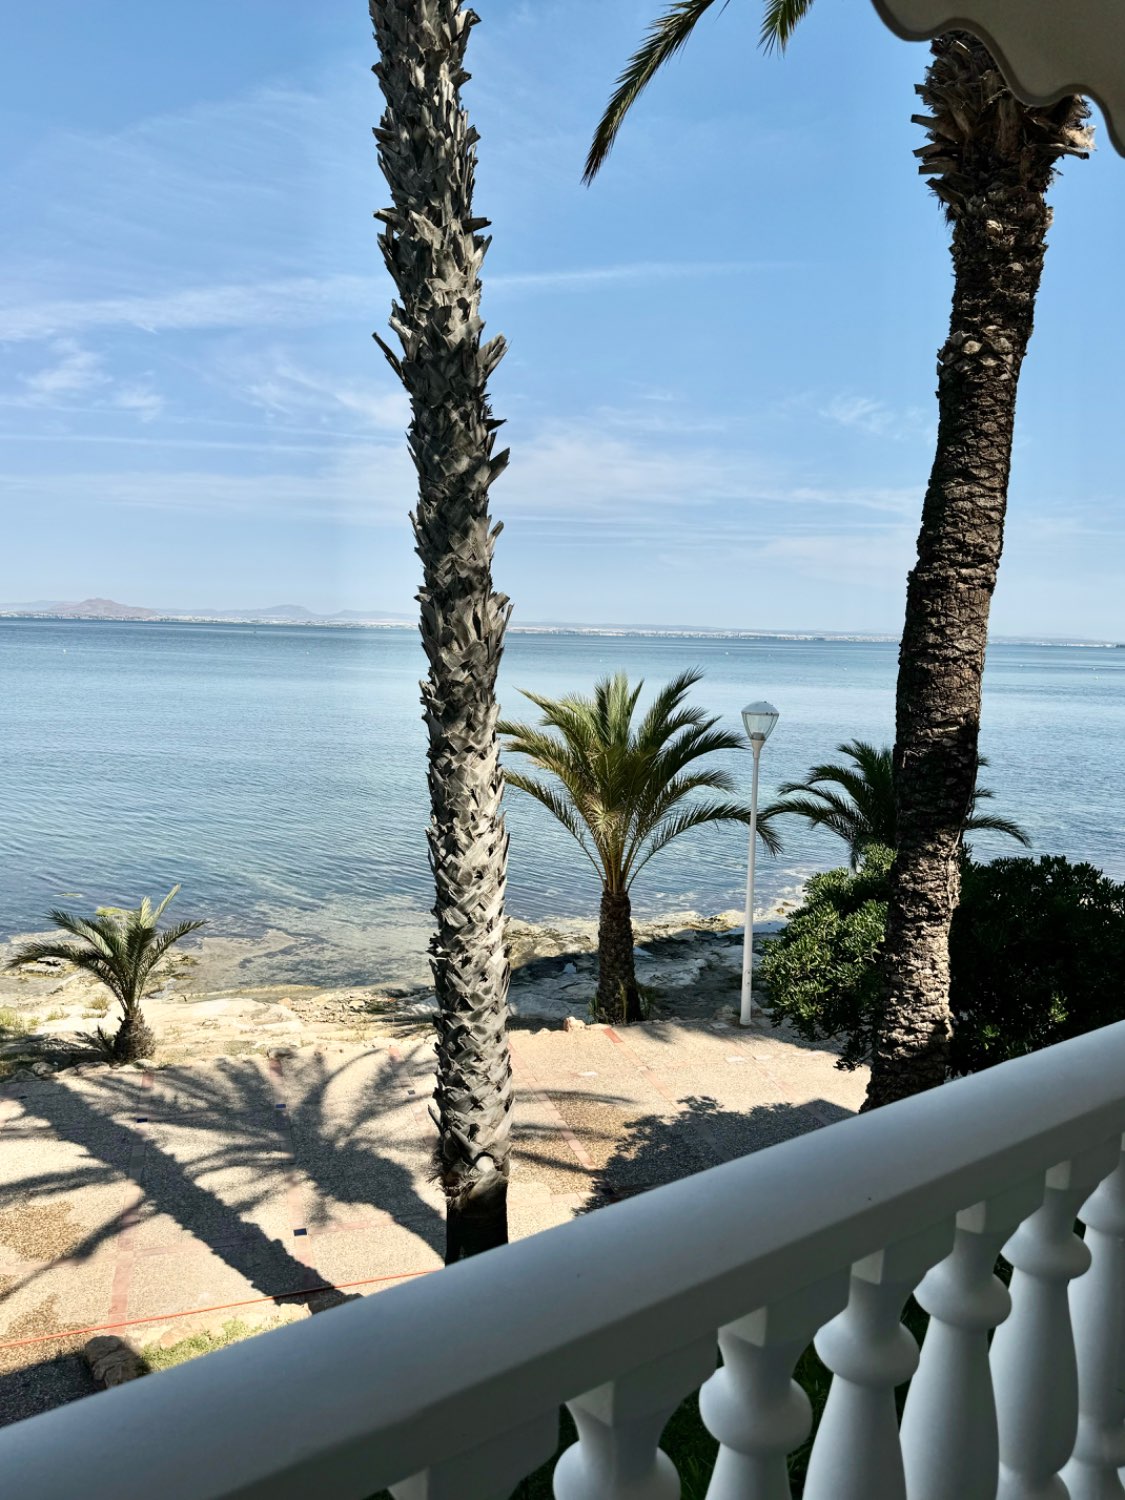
[{"x": 107, "y": 611}]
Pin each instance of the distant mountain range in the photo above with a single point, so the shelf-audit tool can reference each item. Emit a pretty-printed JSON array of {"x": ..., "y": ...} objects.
[{"x": 280, "y": 614}]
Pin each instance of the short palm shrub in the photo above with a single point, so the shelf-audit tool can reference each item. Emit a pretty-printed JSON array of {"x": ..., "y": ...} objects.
[
  {"x": 1034, "y": 950},
  {"x": 123, "y": 949}
]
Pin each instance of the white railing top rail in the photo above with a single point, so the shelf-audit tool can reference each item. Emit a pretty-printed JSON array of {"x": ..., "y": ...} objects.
[{"x": 367, "y": 1394}]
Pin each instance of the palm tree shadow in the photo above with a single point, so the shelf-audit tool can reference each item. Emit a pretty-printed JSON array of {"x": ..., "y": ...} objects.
[
  {"x": 217, "y": 1160},
  {"x": 664, "y": 1148}
]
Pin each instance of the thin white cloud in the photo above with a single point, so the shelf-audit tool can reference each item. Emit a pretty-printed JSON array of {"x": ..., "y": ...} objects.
[
  {"x": 583, "y": 277},
  {"x": 140, "y": 400},
  {"x": 278, "y": 384},
  {"x": 293, "y": 301},
  {"x": 74, "y": 372},
  {"x": 876, "y": 418},
  {"x": 302, "y": 301}
]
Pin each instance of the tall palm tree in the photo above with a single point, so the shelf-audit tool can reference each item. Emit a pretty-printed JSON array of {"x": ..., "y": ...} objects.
[
  {"x": 123, "y": 949},
  {"x": 857, "y": 802},
  {"x": 990, "y": 160},
  {"x": 433, "y": 249},
  {"x": 621, "y": 790}
]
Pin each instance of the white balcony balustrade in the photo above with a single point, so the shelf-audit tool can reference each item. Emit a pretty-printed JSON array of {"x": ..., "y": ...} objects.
[{"x": 450, "y": 1386}]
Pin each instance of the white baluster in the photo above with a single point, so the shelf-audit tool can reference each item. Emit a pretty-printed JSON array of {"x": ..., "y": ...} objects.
[
  {"x": 619, "y": 1424},
  {"x": 856, "y": 1455},
  {"x": 1097, "y": 1308},
  {"x": 949, "y": 1441},
  {"x": 490, "y": 1471},
  {"x": 752, "y": 1404},
  {"x": 1033, "y": 1365}
]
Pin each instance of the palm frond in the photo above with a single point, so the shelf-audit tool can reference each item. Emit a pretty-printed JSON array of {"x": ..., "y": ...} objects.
[
  {"x": 119, "y": 946},
  {"x": 165, "y": 940},
  {"x": 163, "y": 907},
  {"x": 682, "y": 822},
  {"x": 100, "y": 931},
  {"x": 33, "y": 953},
  {"x": 665, "y": 716},
  {"x": 559, "y": 808},
  {"x": 781, "y": 19},
  {"x": 666, "y": 35},
  {"x": 768, "y": 833},
  {"x": 622, "y": 781},
  {"x": 987, "y": 822}
]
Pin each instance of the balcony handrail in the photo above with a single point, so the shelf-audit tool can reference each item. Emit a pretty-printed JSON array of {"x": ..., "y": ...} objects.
[{"x": 370, "y": 1393}]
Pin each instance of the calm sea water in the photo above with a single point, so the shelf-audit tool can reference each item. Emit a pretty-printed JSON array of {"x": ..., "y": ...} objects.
[{"x": 279, "y": 773}]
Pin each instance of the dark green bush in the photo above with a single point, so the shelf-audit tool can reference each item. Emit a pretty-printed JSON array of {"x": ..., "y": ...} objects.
[
  {"x": 1036, "y": 950},
  {"x": 821, "y": 973},
  {"x": 1036, "y": 953}
]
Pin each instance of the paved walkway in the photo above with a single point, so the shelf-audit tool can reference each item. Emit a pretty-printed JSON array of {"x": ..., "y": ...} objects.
[{"x": 175, "y": 1199}]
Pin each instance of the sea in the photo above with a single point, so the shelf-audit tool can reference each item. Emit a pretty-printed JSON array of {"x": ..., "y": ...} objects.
[{"x": 278, "y": 774}]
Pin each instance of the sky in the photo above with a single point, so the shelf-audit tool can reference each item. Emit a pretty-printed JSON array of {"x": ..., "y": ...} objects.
[{"x": 719, "y": 395}]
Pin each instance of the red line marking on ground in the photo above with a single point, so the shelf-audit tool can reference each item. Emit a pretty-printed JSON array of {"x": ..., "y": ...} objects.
[
  {"x": 609, "y": 1031},
  {"x": 195, "y": 1312}
]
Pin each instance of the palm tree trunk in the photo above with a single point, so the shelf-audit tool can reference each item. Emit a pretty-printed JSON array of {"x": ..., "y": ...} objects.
[
  {"x": 994, "y": 159},
  {"x": 618, "y": 998},
  {"x": 134, "y": 1037},
  {"x": 434, "y": 252}
]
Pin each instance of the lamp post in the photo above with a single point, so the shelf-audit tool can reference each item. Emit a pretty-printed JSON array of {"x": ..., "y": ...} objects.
[{"x": 759, "y": 719}]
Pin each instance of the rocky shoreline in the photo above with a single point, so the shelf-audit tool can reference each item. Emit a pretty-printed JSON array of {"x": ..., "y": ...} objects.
[{"x": 688, "y": 966}]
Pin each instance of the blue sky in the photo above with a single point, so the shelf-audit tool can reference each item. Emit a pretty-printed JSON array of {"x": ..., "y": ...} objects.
[{"x": 719, "y": 393}]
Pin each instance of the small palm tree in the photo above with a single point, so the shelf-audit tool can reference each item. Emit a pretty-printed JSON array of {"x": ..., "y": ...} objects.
[
  {"x": 857, "y": 802},
  {"x": 122, "y": 948},
  {"x": 621, "y": 790}
]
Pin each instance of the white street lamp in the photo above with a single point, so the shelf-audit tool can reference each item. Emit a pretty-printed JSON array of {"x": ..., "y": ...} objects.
[{"x": 759, "y": 719}]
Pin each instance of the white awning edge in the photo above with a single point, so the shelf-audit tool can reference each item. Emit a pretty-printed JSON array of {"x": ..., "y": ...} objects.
[{"x": 1045, "y": 48}]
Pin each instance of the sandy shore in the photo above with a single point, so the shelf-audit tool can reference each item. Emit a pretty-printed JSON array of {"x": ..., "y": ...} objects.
[{"x": 689, "y": 966}]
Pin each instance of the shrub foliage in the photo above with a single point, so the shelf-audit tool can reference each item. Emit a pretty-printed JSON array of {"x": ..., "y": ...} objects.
[{"x": 1034, "y": 950}]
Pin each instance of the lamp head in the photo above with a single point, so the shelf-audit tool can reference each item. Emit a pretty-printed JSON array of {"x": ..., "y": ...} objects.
[{"x": 759, "y": 719}]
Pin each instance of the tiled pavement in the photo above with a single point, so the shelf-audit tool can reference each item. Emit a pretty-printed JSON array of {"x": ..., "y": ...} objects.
[{"x": 151, "y": 1200}]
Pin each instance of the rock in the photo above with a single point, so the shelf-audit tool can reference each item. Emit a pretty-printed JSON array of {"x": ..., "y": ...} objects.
[
  {"x": 357, "y": 1004},
  {"x": 50, "y": 966},
  {"x": 570, "y": 968},
  {"x": 43, "y": 1068},
  {"x": 572, "y": 1023},
  {"x": 112, "y": 1361}
]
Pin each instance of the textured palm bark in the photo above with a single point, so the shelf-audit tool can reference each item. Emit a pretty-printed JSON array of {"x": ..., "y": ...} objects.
[
  {"x": 433, "y": 250},
  {"x": 135, "y": 1038},
  {"x": 993, "y": 159},
  {"x": 618, "y": 998}
]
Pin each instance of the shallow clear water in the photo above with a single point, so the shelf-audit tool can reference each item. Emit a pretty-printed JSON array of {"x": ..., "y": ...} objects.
[{"x": 279, "y": 773}]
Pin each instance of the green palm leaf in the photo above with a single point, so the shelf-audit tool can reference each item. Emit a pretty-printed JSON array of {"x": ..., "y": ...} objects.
[
  {"x": 857, "y": 801},
  {"x": 666, "y": 35},
  {"x": 621, "y": 783},
  {"x": 781, "y": 19},
  {"x": 987, "y": 822},
  {"x": 683, "y": 822}
]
